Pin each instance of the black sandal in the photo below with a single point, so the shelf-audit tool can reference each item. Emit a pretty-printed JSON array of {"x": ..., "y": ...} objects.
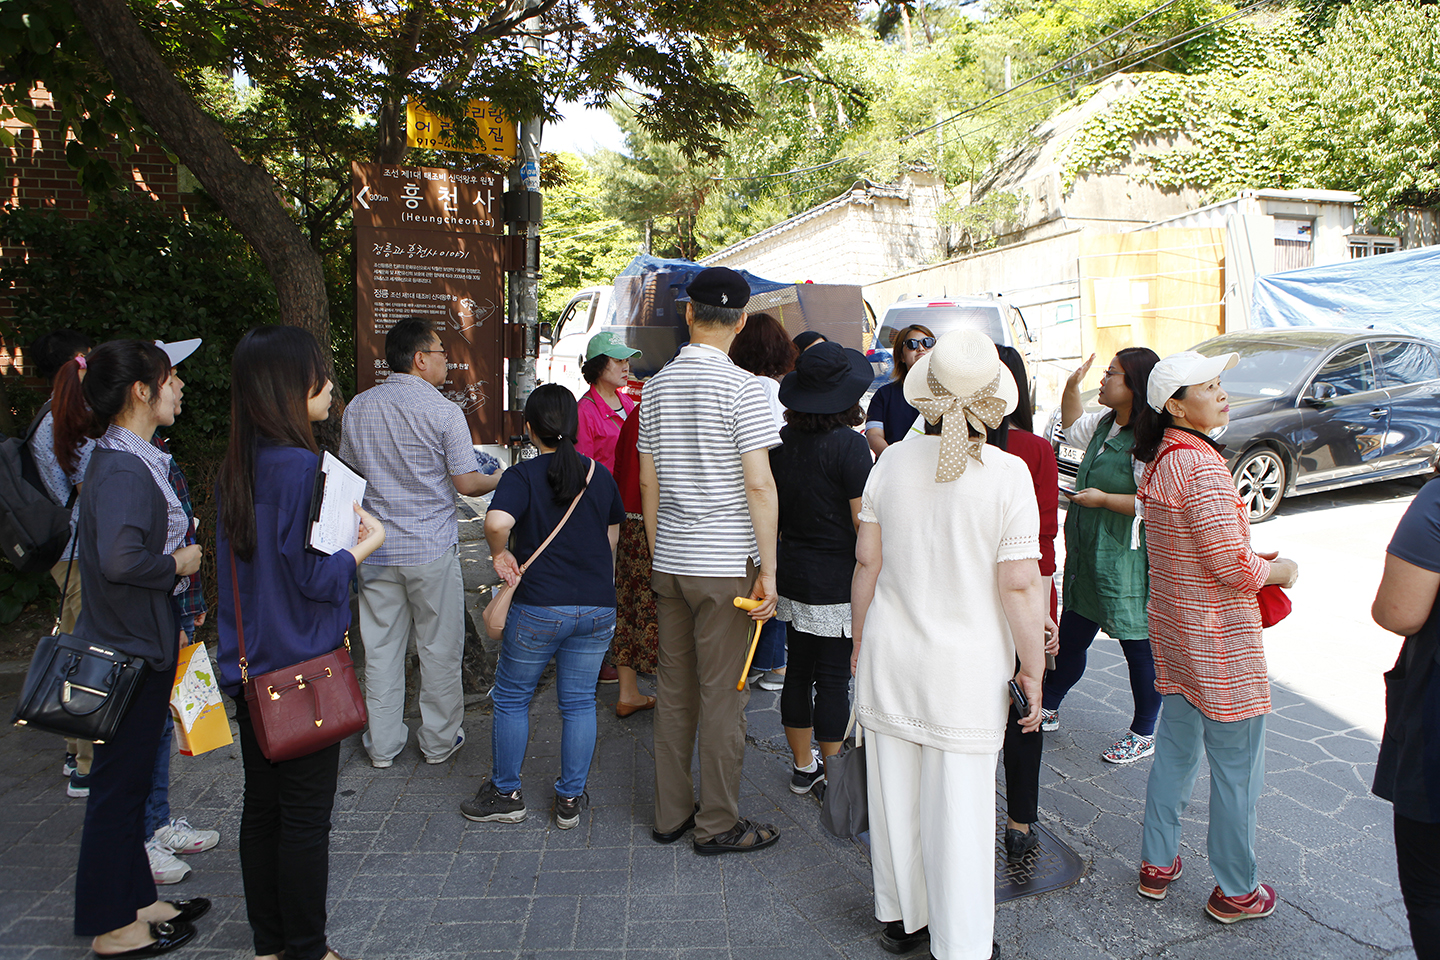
[{"x": 744, "y": 837}]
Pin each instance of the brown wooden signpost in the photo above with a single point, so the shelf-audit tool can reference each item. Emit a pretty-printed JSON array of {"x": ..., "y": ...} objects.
[{"x": 428, "y": 243}]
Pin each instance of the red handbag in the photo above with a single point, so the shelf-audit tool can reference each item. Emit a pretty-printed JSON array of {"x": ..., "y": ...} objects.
[
  {"x": 1274, "y": 604},
  {"x": 303, "y": 708}
]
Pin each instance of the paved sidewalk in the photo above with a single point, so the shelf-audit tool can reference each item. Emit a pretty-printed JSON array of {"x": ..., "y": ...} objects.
[{"x": 411, "y": 878}]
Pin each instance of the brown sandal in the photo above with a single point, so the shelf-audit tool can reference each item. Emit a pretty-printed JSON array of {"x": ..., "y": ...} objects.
[
  {"x": 744, "y": 837},
  {"x": 623, "y": 709}
]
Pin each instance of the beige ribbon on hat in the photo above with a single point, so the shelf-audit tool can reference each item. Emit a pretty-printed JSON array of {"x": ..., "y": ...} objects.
[{"x": 981, "y": 409}]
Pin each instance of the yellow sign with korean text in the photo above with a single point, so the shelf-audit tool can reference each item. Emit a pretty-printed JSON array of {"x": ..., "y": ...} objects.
[{"x": 495, "y": 132}]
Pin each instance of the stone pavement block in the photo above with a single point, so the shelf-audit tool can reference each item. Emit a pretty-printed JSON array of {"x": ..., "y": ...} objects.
[
  {"x": 577, "y": 882},
  {"x": 551, "y": 923},
  {"x": 470, "y": 937},
  {"x": 650, "y": 933},
  {"x": 1307, "y": 789}
]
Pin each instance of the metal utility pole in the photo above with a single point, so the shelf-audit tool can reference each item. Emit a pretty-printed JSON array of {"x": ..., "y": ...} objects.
[{"x": 523, "y": 214}]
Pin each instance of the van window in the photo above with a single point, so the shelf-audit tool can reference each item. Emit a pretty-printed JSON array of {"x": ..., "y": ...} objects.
[
  {"x": 576, "y": 318},
  {"x": 986, "y": 319}
]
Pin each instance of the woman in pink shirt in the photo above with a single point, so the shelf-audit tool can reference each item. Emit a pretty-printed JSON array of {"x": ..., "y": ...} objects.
[{"x": 604, "y": 408}]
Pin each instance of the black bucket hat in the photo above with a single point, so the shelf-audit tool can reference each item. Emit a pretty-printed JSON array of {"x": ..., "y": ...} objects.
[{"x": 827, "y": 378}]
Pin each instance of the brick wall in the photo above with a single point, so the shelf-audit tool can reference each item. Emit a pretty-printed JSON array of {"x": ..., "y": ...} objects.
[{"x": 34, "y": 173}]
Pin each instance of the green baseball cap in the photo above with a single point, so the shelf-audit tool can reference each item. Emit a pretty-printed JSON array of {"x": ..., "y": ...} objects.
[{"x": 610, "y": 345}]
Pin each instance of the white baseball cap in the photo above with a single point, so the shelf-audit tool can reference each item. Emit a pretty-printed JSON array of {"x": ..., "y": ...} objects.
[
  {"x": 178, "y": 350},
  {"x": 1184, "y": 369}
]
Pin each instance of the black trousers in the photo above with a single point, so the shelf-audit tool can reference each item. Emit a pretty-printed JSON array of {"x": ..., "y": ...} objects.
[
  {"x": 1417, "y": 853},
  {"x": 821, "y": 664},
  {"x": 113, "y": 879},
  {"x": 1022, "y": 770},
  {"x": 285, "y": 845}
]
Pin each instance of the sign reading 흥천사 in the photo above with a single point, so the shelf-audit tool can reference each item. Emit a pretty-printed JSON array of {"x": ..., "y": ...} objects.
[
  {"x": 495, "y": 133},
  {"x": 427, "y": 244}
]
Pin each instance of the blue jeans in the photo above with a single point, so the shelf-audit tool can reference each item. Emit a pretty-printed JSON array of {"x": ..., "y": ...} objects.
[
  {"x": 770, "y": 652},
  {"x": 1236, "y": 751},
  {"x": 577, "y": 637},
  {"x": 157, "y": 805}
]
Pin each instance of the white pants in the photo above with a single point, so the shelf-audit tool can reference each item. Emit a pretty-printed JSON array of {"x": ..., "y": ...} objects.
[
  {"x": 932, "y": 843},
  {"x": 430, "y": 600}
]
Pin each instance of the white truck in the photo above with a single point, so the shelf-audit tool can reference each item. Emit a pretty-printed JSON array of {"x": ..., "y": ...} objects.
[{"x": 563, "y": 352}]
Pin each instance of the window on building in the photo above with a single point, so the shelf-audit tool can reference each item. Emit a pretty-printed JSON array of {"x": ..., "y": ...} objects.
[
  {"x": 1294, "y": 243},
  {"x": 1368, "y": 246}
]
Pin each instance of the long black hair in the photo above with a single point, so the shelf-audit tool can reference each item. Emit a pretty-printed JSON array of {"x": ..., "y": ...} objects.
[
  {"x": 554, "y": 418},
  {"x": 273, "y": 375},
  {"x": 111, "y": 369},
  {"x": 1150, "y": 427}
]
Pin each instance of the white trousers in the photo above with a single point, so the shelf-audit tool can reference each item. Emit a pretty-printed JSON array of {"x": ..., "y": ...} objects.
[
  {"x": 932, "y": 843},
  {"x": 428, "y": 600}
]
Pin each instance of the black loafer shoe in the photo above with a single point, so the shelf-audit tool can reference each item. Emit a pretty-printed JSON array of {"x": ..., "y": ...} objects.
[
  {"x": 168, "y": 935},
  {"x": 678, "y": 832},
  {"x": 896, "y": 940},
  {"x": 1017, "y": 844},
  {"x": 190, "y": 910}
]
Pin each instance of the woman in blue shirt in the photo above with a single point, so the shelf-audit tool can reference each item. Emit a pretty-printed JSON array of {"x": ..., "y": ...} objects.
[
  {"x": 296, "y": 605},
  {"x": 564, "y": 607},
  {"x": 890, "y": 415}
]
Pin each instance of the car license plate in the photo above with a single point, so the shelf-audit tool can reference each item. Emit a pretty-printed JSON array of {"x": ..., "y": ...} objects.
[{"x": 1071, "y": 454}]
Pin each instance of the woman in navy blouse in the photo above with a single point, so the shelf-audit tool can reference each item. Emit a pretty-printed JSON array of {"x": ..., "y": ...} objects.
[
  {"x": 296, "y": 605},
  {"x": 131, "y": 556}
]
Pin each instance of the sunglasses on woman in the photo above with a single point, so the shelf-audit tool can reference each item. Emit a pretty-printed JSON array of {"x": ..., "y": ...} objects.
[{"x": 915, "y": 343}]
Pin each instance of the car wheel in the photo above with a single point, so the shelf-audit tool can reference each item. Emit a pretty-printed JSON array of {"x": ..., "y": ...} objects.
[{"x": 1260, "y": 482}]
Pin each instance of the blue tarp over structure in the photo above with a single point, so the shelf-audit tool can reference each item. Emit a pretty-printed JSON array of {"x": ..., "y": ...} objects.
[
  {"x": 680, "y": 272},
  {"x": 1398, "y": 292}
]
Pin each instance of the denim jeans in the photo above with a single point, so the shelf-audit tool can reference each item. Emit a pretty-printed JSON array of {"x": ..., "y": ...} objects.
[
  {"x": 157, "y": 805},
  {"x": 577, "y": 637},
  {"x": 770, "y": 651}
]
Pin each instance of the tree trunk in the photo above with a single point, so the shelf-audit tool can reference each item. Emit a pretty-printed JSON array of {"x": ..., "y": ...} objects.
[
  {"x": 244, "y": 192},
  {"x": 390, "y": 126}
]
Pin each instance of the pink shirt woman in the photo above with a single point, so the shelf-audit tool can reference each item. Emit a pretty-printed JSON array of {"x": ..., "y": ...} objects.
[{"x": 604, "y": 408}]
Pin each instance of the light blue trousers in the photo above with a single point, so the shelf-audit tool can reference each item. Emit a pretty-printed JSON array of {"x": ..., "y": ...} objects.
[{"x": 1236, "y": 752}]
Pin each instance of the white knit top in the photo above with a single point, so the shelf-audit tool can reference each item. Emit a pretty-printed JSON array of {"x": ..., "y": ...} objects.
[{"x": 937, "y": 650}]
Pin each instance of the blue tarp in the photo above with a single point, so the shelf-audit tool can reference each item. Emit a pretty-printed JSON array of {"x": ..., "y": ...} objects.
[{"x": 1398, "y": 292}]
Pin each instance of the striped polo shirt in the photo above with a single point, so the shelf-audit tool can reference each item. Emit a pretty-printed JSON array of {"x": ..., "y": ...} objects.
[{"x": 698, "y": 415}]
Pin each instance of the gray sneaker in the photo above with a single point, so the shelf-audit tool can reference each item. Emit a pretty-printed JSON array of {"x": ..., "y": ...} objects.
[
  {"x": 772, "y": 679},
  {"x": 490, "y": 805}
]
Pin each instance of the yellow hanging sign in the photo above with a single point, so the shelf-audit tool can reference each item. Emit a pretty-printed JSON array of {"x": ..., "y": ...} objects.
[{"x": 495, "y": 132}]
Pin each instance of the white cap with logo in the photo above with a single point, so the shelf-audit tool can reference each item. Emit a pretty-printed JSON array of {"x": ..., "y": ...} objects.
[{"x": 1184, "y": 369}]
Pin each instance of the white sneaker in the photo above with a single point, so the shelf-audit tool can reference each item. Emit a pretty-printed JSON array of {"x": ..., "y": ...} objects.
[
  {"x": 165, "y": 867},
  {"x": 182, "y": 838},
  {"x": 772, "y": 679}
]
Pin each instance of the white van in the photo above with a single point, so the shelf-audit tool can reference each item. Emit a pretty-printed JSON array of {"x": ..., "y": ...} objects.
[{"x": 562, "y": 355}]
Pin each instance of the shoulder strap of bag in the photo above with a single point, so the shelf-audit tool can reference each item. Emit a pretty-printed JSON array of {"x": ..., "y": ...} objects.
[
  {"x": 573, "y": 504},
  {"x": 239, "y": 622}
]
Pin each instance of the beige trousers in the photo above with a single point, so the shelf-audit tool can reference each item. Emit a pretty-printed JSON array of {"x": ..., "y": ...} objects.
[{"x": 703, "y": 641}]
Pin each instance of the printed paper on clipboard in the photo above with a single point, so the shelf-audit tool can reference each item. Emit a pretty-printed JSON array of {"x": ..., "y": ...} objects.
[{"x": 333, "y": 522}]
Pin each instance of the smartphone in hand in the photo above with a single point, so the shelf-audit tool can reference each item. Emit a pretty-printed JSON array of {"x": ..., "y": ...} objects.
[{"x": 1022, "y": 702}]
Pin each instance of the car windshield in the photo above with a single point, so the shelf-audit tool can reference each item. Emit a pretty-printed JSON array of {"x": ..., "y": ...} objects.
[
  {"x": 942, "y": 320},
  {"x": 1266, "y": 368}
]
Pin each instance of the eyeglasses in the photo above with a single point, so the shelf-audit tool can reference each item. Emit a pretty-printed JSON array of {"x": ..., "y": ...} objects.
[
  {"x": 441, "y": 351},
  {"x": 1113, "y": 373},
  {"x": 916, "y": 344}
]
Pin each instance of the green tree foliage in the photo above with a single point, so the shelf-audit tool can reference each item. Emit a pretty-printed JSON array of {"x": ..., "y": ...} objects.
[
  {"x": 579, "y": 246},
  {"x": 1354, "y": 111},
  {"x": 133, "y": 272}
]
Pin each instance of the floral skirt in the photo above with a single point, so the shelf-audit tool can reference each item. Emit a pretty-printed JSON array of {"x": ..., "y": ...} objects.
[{"x": 637, "y": 633}]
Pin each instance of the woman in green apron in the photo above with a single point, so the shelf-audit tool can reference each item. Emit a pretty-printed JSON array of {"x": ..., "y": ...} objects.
[{"x": 1105, "y": 585}]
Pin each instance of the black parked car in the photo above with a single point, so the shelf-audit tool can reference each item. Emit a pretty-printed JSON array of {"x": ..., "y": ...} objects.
[{"x": 1314, "y": 409}]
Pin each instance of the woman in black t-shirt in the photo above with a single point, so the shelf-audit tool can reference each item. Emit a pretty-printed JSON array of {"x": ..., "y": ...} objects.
[
  {"x": 820, "y": 470},
  {"x": 563, "y": 608}
]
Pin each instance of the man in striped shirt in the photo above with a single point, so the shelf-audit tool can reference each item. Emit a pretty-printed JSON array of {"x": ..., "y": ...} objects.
[
  {"x": 414, "y": 450},
  {"x": 710, "y": 512}
]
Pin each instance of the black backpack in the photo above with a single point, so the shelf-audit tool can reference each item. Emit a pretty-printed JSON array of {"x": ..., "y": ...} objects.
[{"x": 34, "y": 529}]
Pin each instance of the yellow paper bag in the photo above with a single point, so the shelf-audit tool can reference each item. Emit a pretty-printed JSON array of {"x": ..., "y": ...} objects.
[{"x": 195, "y": 703}]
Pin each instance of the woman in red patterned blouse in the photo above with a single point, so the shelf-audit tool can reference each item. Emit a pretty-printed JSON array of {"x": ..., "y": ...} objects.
[{"x": 1205, "y": 632}]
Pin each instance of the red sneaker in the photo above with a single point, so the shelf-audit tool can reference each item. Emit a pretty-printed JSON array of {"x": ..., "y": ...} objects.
[
  {"x": 1155, "y": 881},
  {"x": 1258, "y": 903}
]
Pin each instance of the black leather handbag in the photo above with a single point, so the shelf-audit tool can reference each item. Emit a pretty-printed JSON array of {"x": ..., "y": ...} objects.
[{"x": 77, "y": 688}]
